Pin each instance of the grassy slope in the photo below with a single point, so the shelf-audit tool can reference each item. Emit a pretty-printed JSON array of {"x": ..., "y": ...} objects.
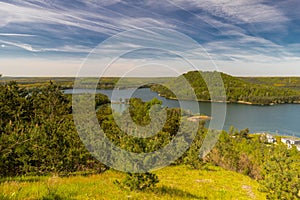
[{"x": 176, "y": 182}]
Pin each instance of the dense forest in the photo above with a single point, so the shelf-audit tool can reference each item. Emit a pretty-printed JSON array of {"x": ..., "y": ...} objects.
[
  {"x": 38, "y": 137},
  {"x": 280, "y": 82},
  {"x": 236, "y": 89}
]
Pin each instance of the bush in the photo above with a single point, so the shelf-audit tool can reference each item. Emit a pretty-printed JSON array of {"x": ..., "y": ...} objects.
[{"x": 139, "y": 182}]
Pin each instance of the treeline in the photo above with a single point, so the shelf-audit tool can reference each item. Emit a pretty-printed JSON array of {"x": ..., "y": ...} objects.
[{"x": 233, "y": 90}]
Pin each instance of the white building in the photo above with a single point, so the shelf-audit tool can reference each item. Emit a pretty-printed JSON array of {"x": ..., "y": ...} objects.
[
  {"x": 290, "y": 141},
  {"x": 266, "y": 137},
  {"x": 270, "y": 138}
]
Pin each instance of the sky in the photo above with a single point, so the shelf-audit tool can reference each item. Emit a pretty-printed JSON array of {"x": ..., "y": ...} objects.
[{"x": 71, "y": 37}]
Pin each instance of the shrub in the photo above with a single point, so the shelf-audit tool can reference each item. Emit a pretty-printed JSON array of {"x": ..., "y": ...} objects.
[{"x": 141, "y": 181}]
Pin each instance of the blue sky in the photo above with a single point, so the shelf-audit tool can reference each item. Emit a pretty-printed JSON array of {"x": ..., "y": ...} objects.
[{"x": 241, "y": 37}]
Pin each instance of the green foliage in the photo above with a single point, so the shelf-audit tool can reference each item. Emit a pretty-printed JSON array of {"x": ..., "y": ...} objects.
[
  {"x": 37, "y": 133},
  {"x": 277, "y": 167},
  {"x": 191, "y": 156},
  {"x": 237, "y": 151},
  {"x": 140, "y": 111},
  {"x": 281, "y": 174},
  {"x": 141, "y": 182},
  {"x": 207, "y": 87},
  {"x": 280, "y": 82},
  {"x": 38, "y": 136}
]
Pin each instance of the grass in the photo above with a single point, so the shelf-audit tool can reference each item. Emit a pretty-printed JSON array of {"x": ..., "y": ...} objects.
[{"x": 176, "y": 182}]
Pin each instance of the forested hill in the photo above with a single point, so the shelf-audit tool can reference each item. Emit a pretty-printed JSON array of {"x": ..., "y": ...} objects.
[
  {"x": 281, "y": 82},
  {"x": 237, "y": 90}
]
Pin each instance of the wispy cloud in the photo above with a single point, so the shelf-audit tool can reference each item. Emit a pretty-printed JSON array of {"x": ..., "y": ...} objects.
[
  {"x": 28, "y": 47},
  {"x": 23, "y": 46},
  {"x": 248, "y": 31},
  {"x": 241, "y": 11},
  {"x": 16, "y": 34}
]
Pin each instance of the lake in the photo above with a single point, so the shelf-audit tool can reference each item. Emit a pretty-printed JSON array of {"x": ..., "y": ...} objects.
[{"x": 278, "y": 119}]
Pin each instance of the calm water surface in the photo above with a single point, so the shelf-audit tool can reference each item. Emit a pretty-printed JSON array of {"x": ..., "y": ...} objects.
[{"x": 282, "y": 119}]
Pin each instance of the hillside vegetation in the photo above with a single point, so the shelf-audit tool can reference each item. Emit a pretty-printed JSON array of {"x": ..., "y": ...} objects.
[
  {"x": 236, "y": 89},
  {"x": 38, "y": 139},
  {"x": 280, "y": 82}
]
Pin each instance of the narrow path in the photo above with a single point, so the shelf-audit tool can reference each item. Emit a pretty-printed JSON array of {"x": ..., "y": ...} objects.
[{"x": 249, "y": 191}]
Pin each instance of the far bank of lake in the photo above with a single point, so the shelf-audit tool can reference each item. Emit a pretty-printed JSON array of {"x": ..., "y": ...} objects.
[{"x": 282, "y": 118}]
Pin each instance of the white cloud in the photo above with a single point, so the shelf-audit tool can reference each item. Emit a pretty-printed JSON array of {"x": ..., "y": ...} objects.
[
  {"x": 20, "y": 45},
  {"x": 16, "y": 34}
]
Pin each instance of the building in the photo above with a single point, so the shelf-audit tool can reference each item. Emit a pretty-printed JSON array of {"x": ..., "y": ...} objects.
[
  {"x": 290, "y": 141},
  {"x": 266, "y": 137},
  {"x": 270, "y": 138}
]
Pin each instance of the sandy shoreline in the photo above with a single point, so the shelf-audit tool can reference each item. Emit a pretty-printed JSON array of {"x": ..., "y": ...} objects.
[{"x": 199, "y": 118}]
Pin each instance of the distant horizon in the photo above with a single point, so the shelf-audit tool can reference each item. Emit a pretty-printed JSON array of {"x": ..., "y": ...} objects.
[{"x": 62, "y": 76}]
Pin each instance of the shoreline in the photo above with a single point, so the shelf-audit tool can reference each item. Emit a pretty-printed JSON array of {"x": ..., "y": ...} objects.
[
  {"x": 199, "y": 100},
  {"x": 233, "y": 102}
]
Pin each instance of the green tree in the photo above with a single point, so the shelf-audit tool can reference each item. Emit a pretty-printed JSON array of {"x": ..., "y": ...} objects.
[
  {"x": 37, "y": 133},
  {"x": 281, "y": 174}
]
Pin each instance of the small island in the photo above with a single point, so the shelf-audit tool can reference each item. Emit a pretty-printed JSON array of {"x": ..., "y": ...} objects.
[{"x": 198, "y": 118}]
